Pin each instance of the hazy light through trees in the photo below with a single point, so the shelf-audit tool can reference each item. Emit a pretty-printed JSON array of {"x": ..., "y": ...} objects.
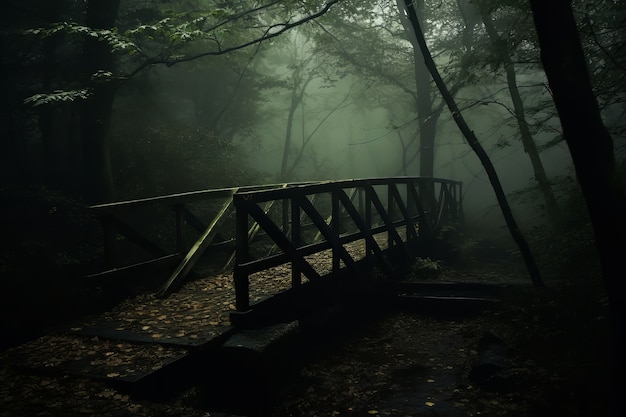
[{"x": 198, "y": 111}]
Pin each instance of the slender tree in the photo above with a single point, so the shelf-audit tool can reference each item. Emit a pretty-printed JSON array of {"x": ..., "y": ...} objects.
[
  {"x": 503, "y": 54},
  {"x": 300, "y": 79},
  {"x": 471, "y": 138}
]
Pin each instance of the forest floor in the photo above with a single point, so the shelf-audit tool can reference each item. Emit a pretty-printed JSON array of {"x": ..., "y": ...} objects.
[{"x": 538, "y": 352}]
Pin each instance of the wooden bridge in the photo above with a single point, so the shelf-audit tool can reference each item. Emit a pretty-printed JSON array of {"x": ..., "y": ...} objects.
[
  {"x": 283, "y": 252},
  {"x": 357, "y": 225}
]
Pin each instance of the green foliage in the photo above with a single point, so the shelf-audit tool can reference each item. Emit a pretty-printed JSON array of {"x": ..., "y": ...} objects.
[
  {"x": 58, "y": 96},
  {"x": 427, "y": 263},
  {"x": 426, "y": 267},
  {"x": 110, "y": 37}
]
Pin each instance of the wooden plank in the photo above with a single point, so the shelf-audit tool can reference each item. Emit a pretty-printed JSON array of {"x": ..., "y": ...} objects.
[{"x": 198, "y": 248}]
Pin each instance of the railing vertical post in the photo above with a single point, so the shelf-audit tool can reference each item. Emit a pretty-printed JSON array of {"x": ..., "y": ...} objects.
[
  {"x": 452, "y": 202},
  {"x": 240, "y": 275},
  {"x": 108, "y": 236},
  {"x": 179, "y": 212},
  {"x": 368, "y": 221},
  {"x": 285, "y": 208},
  {"x": 410, "y": 209},
  {"x": 424, "y": 229},
  {"x": 296, "y": 240},
  {"x": 390, "y": 213},
  {"x": 361, "y": 201},
  {"x": 460, "y": 203},
  {"x": 443, "y": 202},
  {"x": 336, "y": 228}
]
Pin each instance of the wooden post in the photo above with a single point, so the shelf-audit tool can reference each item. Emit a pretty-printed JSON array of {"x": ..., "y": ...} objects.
[
  {"x": 108, "y": 235},
  {"x": 296, "y": 240},
  {"x": 368, "y": 222},
  {"x": 285, "y": 211},
  {"x": 410, "y": 207},
  {"x": 335, "y": 225},
  {"x": 441, "y": 207},
  {"x": 179, "y": 210},
  {"x": 240, "y": 275},
  {"x": 460, "y": 203},
  {"x": 390, "y": 213},
  {"x": 424, "y": 227}
]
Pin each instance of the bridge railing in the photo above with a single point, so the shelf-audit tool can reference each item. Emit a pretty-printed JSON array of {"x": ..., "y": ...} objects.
[
  {"x": 353, "y": 221},
  {"x": 169, "y": 233},
  {"x": 164, "y": 237}
]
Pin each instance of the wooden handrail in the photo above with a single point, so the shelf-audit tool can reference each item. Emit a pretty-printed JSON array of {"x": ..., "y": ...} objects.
[
  {"x": 374, "y": 214},
  {"x": 248, "y": 204}
]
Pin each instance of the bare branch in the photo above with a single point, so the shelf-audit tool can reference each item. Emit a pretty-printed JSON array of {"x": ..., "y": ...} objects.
[{"x": 270, "y": 33}]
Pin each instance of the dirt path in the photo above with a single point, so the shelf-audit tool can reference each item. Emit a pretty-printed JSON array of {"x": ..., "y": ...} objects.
[
  {"x": 539, "y": 352},
  {"x": 401, "y": 363}
]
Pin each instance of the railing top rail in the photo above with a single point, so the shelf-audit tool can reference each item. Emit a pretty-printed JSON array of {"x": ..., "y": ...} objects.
[
  {"x": 179, "y": 198},
  {"x": 327, "y": 186},
  {"x": 312, "y": 186}
]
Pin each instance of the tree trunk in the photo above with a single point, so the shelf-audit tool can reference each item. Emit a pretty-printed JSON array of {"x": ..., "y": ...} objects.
[
  {"x": 47, "y": 113},
  {"x": 427, "y": 114},
  {"x": 297, "y": 94},
  {"x": 591, "y": 147},
  {"x": 426, "y": 117},
  {"x": 477, "y": 148},
  {"x": 552, "y": 208},
  {"x": 96, "y": 113}
]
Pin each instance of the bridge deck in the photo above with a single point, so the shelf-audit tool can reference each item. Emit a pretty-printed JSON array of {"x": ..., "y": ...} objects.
[
  {"x": 143, "y": 336},
  {"x": 146, "y": 333}
]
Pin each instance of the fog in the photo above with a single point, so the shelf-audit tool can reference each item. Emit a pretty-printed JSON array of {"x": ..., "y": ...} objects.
[
  {"x": 219, "y": 100},
  {"x": 343, "y": 126}
]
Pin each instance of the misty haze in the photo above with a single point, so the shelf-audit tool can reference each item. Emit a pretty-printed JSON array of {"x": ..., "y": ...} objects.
[{"x": 312, "y": 208}]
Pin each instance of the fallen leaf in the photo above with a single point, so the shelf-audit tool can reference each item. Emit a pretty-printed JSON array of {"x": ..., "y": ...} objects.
[{"x": 429, "y": 403}]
